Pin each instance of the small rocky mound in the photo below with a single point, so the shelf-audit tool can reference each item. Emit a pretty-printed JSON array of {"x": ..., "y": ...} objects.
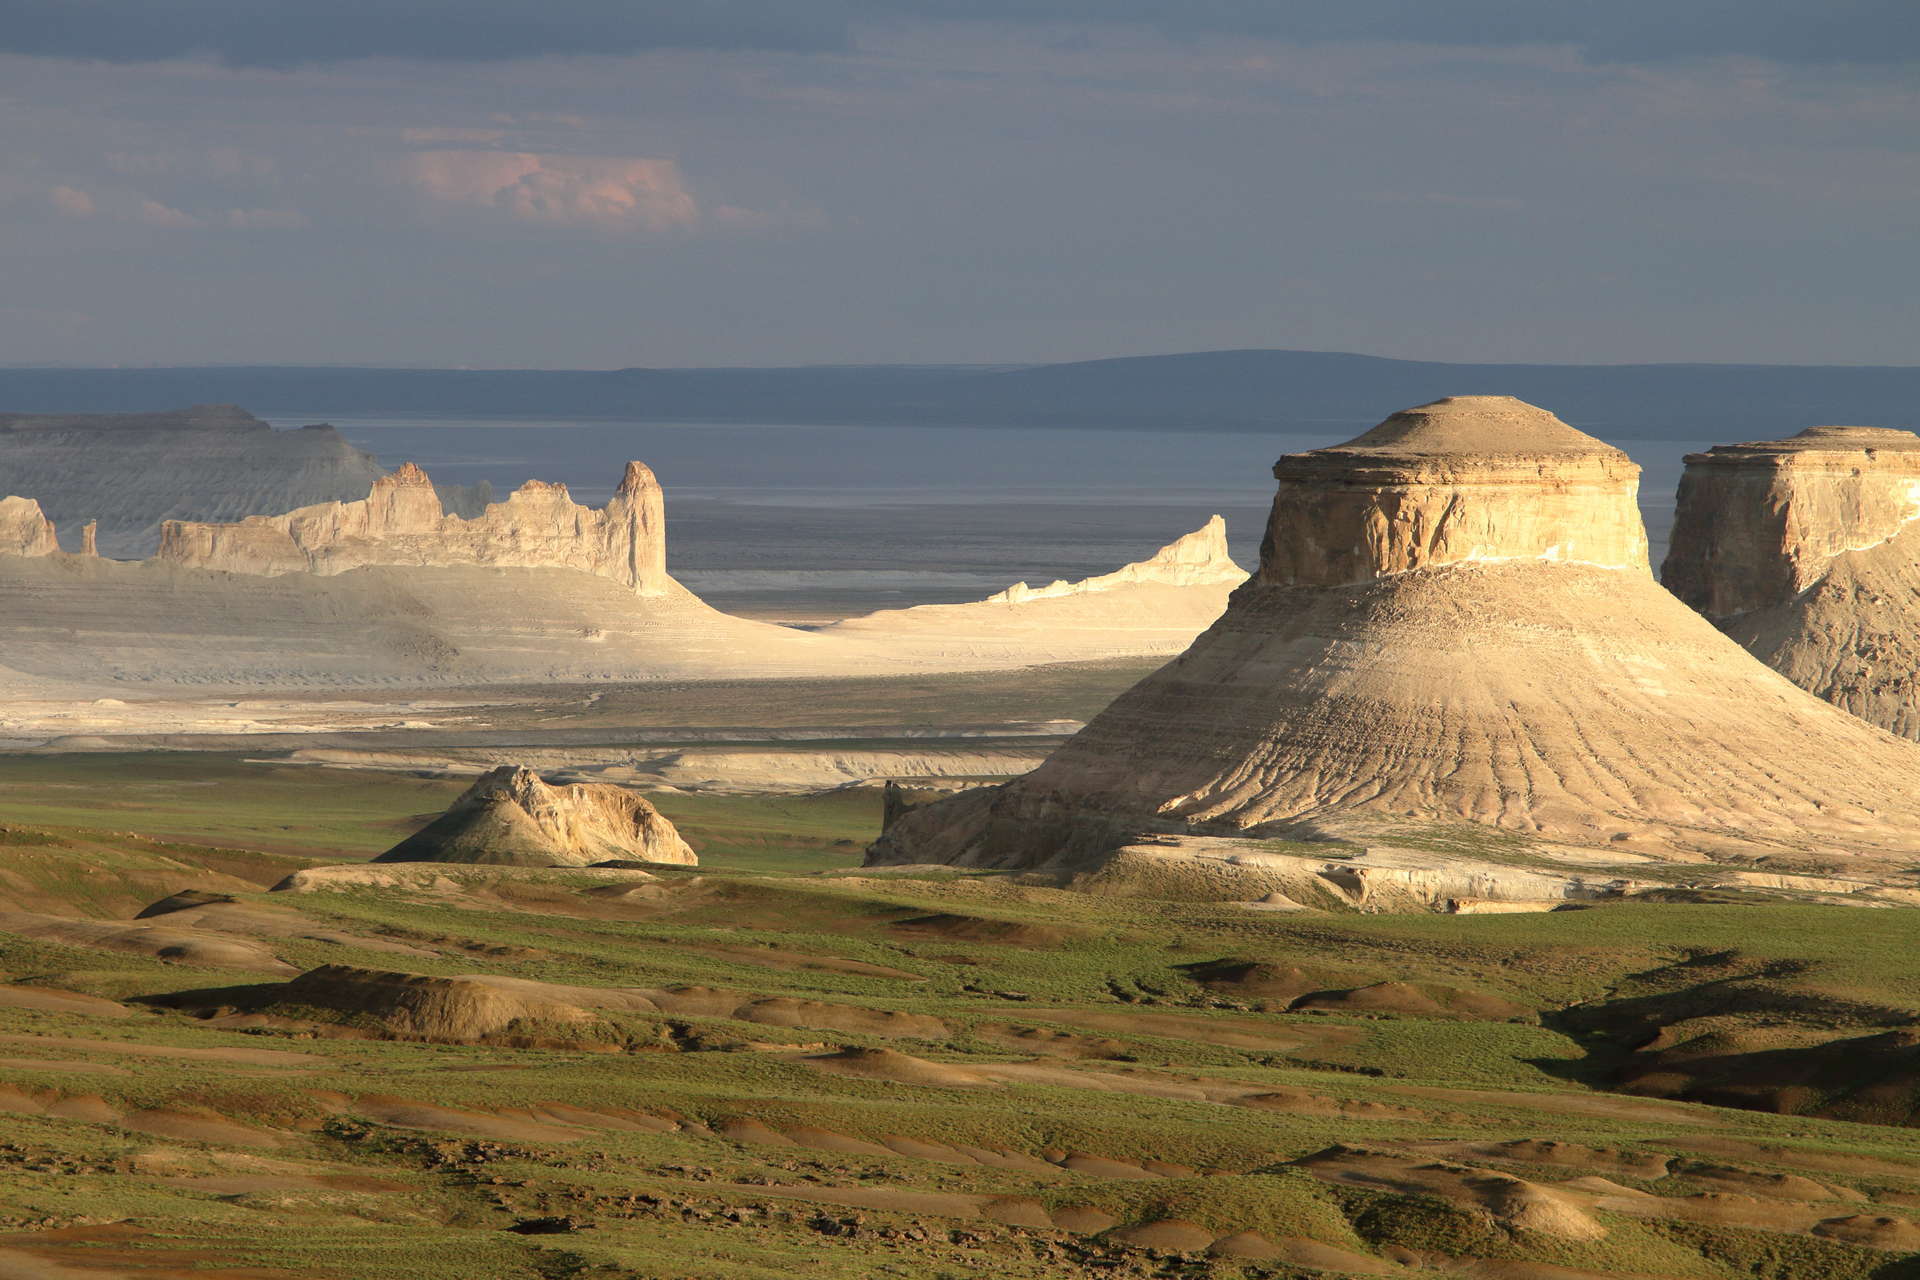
[{"x": 511, "y": 817}]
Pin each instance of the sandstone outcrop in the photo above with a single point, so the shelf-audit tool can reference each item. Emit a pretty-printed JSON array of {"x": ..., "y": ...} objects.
[
  {"x": 1453, "y": 620},
  {"x": 25, "y": 530},
  {"x": 402, "y": 522},
  {"x": 1807, "y": 552},
  {"x": 513, "y": 818},
  {"x": 131, "y": 471}
]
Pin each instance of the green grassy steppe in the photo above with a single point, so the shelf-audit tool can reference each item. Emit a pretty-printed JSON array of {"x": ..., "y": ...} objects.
[{"x": 857, "y": 1076}]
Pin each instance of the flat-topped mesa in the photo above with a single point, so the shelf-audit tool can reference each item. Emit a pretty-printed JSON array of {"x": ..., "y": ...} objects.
[
  {"x": 1757, "y": 524},
  {"x": 25, "y": 529},
  {"x": 1806, "y": 551},
  {"x": 1464, "y": 479},
  {"x": 1195, "y": 559},
  {"x": 402, "y": 522},
  {"x": 1453, "y": 622}
]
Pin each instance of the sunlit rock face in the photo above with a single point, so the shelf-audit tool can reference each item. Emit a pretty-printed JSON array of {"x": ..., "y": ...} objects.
[
  {"x": 1453, "y": 620},
  {"x": 24, "y": 530},
  {"x": 402, "y": 522},
  {"x": 1757, "y": 524},
  {"x": 511, "y": 816},
  {"x": 133, "y": 471},
  {"x": 1468, "y": 479},
  {"x": 1197, "y": 559},
  {"x": 1805, "y": 551}
]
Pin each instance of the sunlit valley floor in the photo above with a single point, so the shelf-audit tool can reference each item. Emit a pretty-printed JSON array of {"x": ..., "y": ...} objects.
[{"x": 774, "y": 1061}]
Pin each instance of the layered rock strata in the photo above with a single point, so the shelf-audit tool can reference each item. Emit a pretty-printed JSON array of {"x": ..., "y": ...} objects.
[
  {"x": 1453, "y": 620},
  {"x": 132, "y": 471},
  {"x": 402, "y": 522},
  {"x": 511, "y": 817},
  {"x": 1807, "y": 552}
]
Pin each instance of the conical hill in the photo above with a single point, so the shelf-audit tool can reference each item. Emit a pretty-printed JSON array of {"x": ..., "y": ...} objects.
[{"x": 1453, "y": 621}]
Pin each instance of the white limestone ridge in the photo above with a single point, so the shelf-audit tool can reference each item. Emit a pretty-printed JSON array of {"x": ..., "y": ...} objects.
[
  {"x": 211, "y": 462},
  {"x": 1196, "y": 559},
  {"x": 402, "y": 522}
]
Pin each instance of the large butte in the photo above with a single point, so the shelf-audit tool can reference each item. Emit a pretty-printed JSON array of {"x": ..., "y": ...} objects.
[
  {"x": 1807, "y": 552},
  {"x": 1453, "y": 622}
]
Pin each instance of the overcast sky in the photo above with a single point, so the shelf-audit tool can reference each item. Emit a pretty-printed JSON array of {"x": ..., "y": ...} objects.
[{"x": 603, "y": 183}]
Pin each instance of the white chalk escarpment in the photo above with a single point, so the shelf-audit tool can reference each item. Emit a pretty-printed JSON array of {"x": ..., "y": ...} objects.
[
  {"x": 1807, "y": 552},
  {"x": 393, "y": 590},
  {"x": 402, "y": 522},
  {"x": 1152, "y": 606},
  {"x": 510, "y": 817},
  {"x": 387, "y": 590},
  {"x": 1453, "y": 620},
  {"x": 133, "y": 471}
]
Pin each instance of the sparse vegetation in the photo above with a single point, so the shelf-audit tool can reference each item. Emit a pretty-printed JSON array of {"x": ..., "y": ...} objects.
[{"x": 1042, "y": 1084}]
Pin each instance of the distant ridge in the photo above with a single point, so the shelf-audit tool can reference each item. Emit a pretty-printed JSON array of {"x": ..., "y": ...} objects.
[{"x": 1244, "y": 390}]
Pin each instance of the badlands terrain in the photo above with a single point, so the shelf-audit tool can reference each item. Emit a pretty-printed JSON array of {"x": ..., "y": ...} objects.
[{"x": 388, "y": 889}]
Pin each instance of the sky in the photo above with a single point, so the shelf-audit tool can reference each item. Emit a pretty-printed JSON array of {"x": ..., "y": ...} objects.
[{"x": 614, "y": 183}]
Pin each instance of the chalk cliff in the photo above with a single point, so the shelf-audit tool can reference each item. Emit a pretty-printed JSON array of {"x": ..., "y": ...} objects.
[
  {"x": 1152, "y": 607},
  {"x": 1807, "y": 552},
  {"x": 1453, "y": 620},
  {"x": 24, "y": 529},
  {"x": 510, "y": 816},
  {"x": 402, "y": 522},
  {"x": 1196, "y": 559},
  {"x": 131, "y": 471}
]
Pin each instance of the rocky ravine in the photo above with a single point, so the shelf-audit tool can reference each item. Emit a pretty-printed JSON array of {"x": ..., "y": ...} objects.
[
  {"x": 1806, "y": 551},
  {"x": 1453, "y": 621}
]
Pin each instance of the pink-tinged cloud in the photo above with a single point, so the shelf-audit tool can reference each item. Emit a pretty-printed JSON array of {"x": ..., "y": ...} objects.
[
  {"x": 419, "y": 137},
  {"x": 613, "y": 192},
  {"x": 71, "y": 201},
  {"x": 155, "y": 214},
  {"x": 266, "y": 219}
]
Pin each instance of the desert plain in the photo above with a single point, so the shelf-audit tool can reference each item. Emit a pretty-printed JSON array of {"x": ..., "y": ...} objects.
[{"x": 392, "y": 891}]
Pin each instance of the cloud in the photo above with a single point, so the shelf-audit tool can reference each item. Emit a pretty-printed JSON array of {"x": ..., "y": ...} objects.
[
  {"x": 155, "y": 214},
  {"x": 289, "y": 33},
  {"x": 613, "y": 192},
  {"x": 427, "y": 136},
  {"x": 71, "y": 201},
  {"x": 266, "y": 219}
]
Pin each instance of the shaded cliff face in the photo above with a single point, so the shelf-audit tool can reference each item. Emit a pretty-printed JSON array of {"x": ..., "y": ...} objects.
[
  {"x": 510, "y": 816},
  {"x": 132, "y": 471},
  {"x": 1453, "y": 620},
  {"x": 402, "y": 522},
  {"x": 1807, "y": 552}
]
